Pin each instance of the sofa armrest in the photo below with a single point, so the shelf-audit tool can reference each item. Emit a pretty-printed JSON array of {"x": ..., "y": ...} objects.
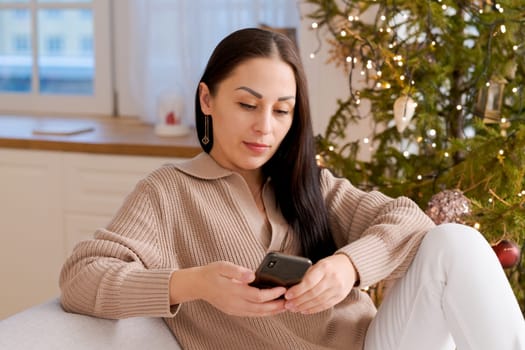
[{"x": 48, "y": 326}]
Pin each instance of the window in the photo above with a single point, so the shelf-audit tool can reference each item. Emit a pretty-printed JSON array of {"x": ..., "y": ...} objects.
[
  {"x": 55, "y": 57},
  {"x": 21, "y": 44}
]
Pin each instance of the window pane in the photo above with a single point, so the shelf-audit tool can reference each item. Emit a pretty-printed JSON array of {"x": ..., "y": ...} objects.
[
  {"x": 15, "y": 50},
  {"x": 66, "y": 57}
]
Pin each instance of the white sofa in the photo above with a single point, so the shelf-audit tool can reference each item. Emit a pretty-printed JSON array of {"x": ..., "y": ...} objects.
[{"x": 48, "y": 326}]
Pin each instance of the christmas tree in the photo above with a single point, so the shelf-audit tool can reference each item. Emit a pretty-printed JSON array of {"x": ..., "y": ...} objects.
[{"x": 444, "y": 84}]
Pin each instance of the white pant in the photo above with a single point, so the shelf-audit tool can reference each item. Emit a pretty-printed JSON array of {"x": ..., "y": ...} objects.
[{"x": 455, "y": 293}]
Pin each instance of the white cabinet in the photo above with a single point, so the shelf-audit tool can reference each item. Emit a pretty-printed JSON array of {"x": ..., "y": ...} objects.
[{"x": 48, "y": 202}]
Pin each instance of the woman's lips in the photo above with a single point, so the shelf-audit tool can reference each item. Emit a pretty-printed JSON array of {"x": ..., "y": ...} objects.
[{"x": 257, "y": 147}]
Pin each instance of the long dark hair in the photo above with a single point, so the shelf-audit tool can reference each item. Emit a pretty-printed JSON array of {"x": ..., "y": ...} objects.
[{"x": 294, "y": 173}]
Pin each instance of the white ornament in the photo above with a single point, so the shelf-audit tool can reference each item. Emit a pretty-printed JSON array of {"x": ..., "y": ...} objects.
[{"x": 404, "y": 108}]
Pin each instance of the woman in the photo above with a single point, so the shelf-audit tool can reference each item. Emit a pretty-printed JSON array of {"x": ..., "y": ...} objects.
[{"x": 186, "y": 242}]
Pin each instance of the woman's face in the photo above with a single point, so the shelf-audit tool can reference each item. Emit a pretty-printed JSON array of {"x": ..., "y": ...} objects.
[{"x": 252, "y": 111}]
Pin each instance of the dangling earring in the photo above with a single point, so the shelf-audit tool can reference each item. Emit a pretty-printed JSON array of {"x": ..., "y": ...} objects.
[{"x": 206, "y": 138}]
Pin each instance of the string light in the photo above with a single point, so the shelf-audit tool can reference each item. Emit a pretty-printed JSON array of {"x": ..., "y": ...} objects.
[{"x": 477, "y": 226}]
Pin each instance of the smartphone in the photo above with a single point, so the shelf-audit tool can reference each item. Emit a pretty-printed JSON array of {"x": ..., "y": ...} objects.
[{"x": 278, "y": 269}]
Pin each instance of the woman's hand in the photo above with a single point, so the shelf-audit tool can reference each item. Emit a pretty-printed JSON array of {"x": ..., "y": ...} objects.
[
  {"x": 324, "y": 285},
  {"x": 225, "y": 286}
]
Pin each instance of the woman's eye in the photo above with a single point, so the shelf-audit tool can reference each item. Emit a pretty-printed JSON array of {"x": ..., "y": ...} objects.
[
  {"x": 246, "y": 106},
  {"x": 282, "y": 111}
]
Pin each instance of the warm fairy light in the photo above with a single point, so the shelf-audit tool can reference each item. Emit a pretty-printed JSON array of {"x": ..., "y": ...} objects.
[
  {"x": 491, "y": 200},
  {"x": 515, "y": 47},
  {"x": 420, "y": 177},
  {"x": 330, "y": 148},
  {"x": 514, "y": 89},
  {"x": 379, "y": 73},
  {"x": 487, "y": 84},
  {"x": 419, "y": 139},
  {"x": 378, "y": 84},
  {"x": 343, "y": 33},
  {"x": 444, "y": 7},
  {"x": 503, "y": 120},
  {"x": 369, "y": 64},
  {"x": 366, "y": 140},
  {"x": 406, "y": 154},
  {"x": 402, "y": 78},
  {"x": 433, "y": 43},
  {"x": 362, "y": 72},
  {"x": 412, "y": 82},
  {"x": 501, "y": 152},
  {"x": 388, "y": 86},
  {"x": 358, "y": 101},
  {"x": 499, "y": 8},
  {"x": 434, "y": 145},
  {"x": 502, "y": 29},
  {"x": 315, "y": 25},
  {"x": 383, "y": 17},
  {"x": 446, "y": 155},
  {"x": 312, "y": 55},
  {"x": 477, "y": 226},
  {"x": 432, "y": 133},
  {"x": 348, "y": 59}
]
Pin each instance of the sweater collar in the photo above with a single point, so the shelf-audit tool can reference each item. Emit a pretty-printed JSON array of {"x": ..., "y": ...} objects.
[{"x": 203, "y": 166}]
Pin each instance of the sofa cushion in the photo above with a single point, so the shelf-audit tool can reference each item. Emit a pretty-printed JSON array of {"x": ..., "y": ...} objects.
[{"x": 48, "y": 326}]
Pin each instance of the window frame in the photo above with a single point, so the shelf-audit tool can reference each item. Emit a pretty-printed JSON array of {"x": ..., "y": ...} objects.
[{"x": 101, "y": 101}]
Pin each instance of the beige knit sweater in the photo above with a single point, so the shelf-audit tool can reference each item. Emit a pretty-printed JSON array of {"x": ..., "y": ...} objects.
[{"x": 195, "y": 212}]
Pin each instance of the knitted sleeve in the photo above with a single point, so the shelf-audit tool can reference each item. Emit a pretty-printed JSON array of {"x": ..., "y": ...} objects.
[
  {"x": 379, "y": 234},
  {"x": 118, "y": 274}
]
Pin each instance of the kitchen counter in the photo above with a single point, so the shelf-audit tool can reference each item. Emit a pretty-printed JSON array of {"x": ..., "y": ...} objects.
[{"x": 107, "y": 135}]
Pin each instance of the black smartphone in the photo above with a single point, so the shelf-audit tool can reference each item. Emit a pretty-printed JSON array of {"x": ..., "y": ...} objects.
[{"x": 278, "y": 269}]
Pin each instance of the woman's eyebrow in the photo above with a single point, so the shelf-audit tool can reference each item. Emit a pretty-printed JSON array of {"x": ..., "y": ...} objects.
[{"x": 259, "y": 96}]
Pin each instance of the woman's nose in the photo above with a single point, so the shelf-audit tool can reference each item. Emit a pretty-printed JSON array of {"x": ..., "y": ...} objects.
[{"x": 263, "y": 123}]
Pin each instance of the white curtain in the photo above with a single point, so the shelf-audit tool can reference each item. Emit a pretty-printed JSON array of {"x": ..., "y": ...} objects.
[{"x": 173, "y": 39}]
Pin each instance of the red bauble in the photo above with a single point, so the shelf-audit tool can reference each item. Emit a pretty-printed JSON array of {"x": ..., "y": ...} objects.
[
  {"x": 170, "y": 119},
  {"x": 508, "y": 253}
]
